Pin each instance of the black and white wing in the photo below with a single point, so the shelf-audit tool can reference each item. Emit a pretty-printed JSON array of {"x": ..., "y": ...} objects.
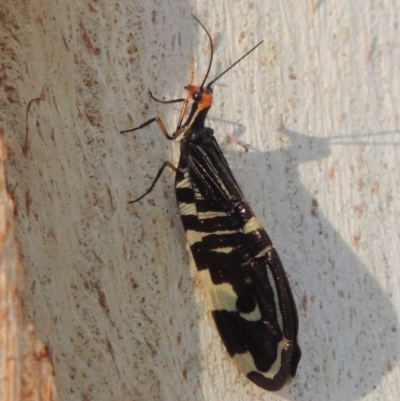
[{"x": 245, "y": 284}]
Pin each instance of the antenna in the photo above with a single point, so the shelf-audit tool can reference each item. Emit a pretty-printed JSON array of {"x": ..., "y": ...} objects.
[
  {"x": 212, "y": 51},
  {"x": 236, "y": 62},
  {"x": 212, "y": 54}
]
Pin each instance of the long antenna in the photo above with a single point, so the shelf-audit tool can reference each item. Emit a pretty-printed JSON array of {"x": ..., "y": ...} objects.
[
  {"x": 212, "y": 51},
  {"x": 236, "y": 62}
]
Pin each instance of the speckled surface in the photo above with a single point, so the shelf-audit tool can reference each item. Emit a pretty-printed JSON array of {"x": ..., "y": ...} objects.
[{"x": 109, "y": 285}]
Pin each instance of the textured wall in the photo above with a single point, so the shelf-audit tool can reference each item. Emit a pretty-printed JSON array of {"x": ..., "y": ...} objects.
[{"x": 109, "y": 285}]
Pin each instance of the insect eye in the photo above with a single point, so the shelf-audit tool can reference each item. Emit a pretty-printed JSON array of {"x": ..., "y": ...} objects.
[{"x": 197, "y": 96}]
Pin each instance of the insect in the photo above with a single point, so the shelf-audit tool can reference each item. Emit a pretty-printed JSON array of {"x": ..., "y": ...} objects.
[{"x": 243, "y": 278}]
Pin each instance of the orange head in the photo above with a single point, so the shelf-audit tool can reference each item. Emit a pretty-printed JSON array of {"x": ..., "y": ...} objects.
[{"x": 202, "y": 96}]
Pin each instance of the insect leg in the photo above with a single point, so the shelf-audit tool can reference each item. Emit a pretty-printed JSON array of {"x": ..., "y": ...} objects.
[
  {"x": 180, "y": 100},
  {"x": 183, "y": 111},
  {"x": 160, "y": 123},
  {"x": 160, "y": 171}
]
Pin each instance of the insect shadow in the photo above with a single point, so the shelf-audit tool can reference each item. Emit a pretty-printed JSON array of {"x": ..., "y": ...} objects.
[{"x": 348, "y": 326}]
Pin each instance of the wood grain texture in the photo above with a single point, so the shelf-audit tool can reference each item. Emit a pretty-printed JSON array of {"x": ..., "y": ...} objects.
[
  {"x": 26, "y": 371},
  {"x": 109, "y": 285}
]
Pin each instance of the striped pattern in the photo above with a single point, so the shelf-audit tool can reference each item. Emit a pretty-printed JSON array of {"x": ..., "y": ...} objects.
[
  {"x": 243, "y": 278},
  {"x": 244, "y": 281}
]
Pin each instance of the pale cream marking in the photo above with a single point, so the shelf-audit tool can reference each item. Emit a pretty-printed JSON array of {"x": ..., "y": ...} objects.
[
  {"x": 251, "y": 225},
  {"x": 210, "y": 215},
  {"x": 186, "y": 209},
  {"x": 264, "y": 251},
  {"x": 227, "y": 249},
  {"x": 185, "y": 182},
  {"x": 245, "y": 362},
  {"x": 276, "y": 299},
  {"x": 223, "y": 297},
  {"x": 199, "y": 235},
  {"x": 192, "y": 237},
  {"x": 197, "y": 193}
]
